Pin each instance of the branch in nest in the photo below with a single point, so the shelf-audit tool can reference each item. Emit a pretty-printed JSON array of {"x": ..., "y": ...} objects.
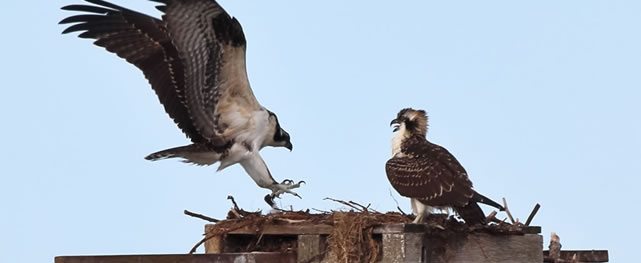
[
  {"x": 365, "y": 208},
  {"x": 203, "y": 217},
  {"x": 360, "y": 209},
  {"x": 290, "y": 221},
  {"x": 507, "y": 211},
  {"x": 229, "y": 197},
  {"x": 202, "y": 241},
  {"x": 321, "y": 211},
  {"x": 491, "y": 217},
  {"x": 235, "y": 210},
  {"x": 397, "y": 205},
  {"x": 532, "y": 214}
]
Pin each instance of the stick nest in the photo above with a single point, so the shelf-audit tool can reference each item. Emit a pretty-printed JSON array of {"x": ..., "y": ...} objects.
[{"x": 351, "y": 238}]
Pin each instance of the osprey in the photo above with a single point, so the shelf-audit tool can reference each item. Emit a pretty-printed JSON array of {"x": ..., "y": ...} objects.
[
  {"x": 428, "y": 173},
  {"x": 194, "y": 59}
]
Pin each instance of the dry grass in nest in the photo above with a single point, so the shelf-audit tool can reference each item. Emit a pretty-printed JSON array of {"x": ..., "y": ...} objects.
[{"x": 351, "y": 239}]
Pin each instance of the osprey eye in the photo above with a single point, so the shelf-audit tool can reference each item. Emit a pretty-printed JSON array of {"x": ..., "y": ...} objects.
[{"x": 396, "y": 126}]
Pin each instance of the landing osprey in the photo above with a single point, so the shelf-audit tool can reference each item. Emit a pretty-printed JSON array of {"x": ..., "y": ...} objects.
[
  {"x": 428, "y": 173},
  {"x": 194, "y": 59}
]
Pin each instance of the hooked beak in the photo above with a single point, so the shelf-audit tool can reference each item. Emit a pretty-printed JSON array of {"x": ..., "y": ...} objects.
[
  {"x": 396, "y": 124},
  {"x": 289, "y": 146}
]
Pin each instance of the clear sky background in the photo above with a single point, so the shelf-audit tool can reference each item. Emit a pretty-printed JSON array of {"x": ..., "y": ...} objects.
[{"x": 539, "y": 100}]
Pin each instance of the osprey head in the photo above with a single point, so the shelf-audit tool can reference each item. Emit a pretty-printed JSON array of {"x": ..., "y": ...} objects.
[
  {"x": 281, "y": 137},
  {"x": 413, "y": 121}
]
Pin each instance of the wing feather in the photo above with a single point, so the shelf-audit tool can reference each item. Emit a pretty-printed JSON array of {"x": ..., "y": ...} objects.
[
  {"x": 143, "y": 41},
  {"x": 431, "y": 174},
  {"x": 211, "y": 45}
]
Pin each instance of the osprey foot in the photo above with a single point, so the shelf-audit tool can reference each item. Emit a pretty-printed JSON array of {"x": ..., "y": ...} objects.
[
  {"x": 286, "y": 187},
  {"x": 278, "y": 189}
]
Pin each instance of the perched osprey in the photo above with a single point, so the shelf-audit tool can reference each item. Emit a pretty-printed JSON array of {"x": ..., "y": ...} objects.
[
  {"x": 194, "y": 59},
  {"x": 428, "y": 173}
]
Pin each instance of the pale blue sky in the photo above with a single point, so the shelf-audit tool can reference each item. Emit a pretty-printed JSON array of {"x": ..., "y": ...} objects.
[{"x": 539, "y": 100}]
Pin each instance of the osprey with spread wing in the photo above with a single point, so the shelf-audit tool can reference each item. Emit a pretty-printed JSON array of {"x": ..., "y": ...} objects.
[
  {"x": 194, "y": 59},
  {"x": 429, "y": 174}
]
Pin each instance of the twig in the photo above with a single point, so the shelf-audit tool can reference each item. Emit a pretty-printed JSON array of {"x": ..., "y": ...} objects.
[
  {"x": 234, "y": 210},
  {"x": 199, "y": 216},
  {"x": 229, "y": 197},
  {"x": 344, "y": 202},
  {"x": 371, "y": 209},
  {"x": 359, "y": 205},
  {"x": 532, "y": 214},
  {"x": 496, "y": 220},
  {"x": 507, "y": 211},
  {"x": 491, "y": 217},
  {"x": 193, "y": 249},
  {"x": 397, "y": 205},
  {"x": 365, "y": 208},
  {"x": 254, "y": 244},
  {"x": 290, "y": 221},
  {"x": 236, "y": 213},
  {"x": 321, "y": 211}
]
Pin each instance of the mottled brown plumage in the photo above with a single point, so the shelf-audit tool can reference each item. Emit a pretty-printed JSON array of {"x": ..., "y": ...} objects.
[{"x": 428, "y": 172}]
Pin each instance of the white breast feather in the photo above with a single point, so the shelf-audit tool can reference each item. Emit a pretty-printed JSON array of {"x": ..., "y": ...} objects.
[
  {"x": 397, "y": 140},
  {"x": 255, "y": 133}
]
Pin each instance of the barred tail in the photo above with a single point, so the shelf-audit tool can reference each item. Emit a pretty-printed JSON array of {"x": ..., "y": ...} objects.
[
  {"x": 482, "y": 199},
  {"x": 471, "y": 213},
  {"x": 198, "y": 154}
]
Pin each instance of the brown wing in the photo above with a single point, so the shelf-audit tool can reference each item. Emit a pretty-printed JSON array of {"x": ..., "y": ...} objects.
[
  {"x": 143, "y": 41},
  {"x": 212, "y": 46},
  {"x": 431, "y": 174}
]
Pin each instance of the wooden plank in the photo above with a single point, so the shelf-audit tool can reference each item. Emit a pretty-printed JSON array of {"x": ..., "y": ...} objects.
[
  {"x": 482, "y": 247},
  {"x": 195, "y": 258},
  {"x": 407, "y": 247},
  {"x": 582, "y": 255},
  {"x": 310, "y": 248},
  {"x": 313, "y": 229},
  {"x": 285, "y": 230},
  {"x": 400, "y": 228},
  {"x": 421, "y": 228},
  {"x": 213, "y": 245},
  {"x": 532, "y": 230}
]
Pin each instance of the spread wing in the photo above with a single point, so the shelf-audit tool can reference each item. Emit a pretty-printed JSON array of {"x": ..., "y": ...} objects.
[
  {"x": 211, "y": 45},
  {"x": 144, "y": 42},
  {"x": 194, "y": 60},
  {"x": 431, "y": 174}
]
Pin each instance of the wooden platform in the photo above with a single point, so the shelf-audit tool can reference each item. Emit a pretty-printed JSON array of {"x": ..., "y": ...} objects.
[
  {"x": 399, "y": 243},
  {"x": 396, "y": 242}
]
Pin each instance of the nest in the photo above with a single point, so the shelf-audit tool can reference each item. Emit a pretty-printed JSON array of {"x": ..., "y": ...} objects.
[{"x": 351, "y": 238}]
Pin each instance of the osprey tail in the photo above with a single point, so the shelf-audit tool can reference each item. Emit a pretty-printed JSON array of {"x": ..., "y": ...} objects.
[
  {"x": 199, "y": 154},
  {"x": 482, "y": 199},
  {"x": 471, "y": 213}
]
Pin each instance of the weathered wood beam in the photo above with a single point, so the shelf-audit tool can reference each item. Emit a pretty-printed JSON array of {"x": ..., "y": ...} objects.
[
  {"x": 481, "y": 247},
  {"x": 407, "y": 247},
  {"x": 285, "y": 230},
  {"x": 267, "y": 257},
  {"x": 422, "y": 228},
  {"x": 311, "y": 248}
]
